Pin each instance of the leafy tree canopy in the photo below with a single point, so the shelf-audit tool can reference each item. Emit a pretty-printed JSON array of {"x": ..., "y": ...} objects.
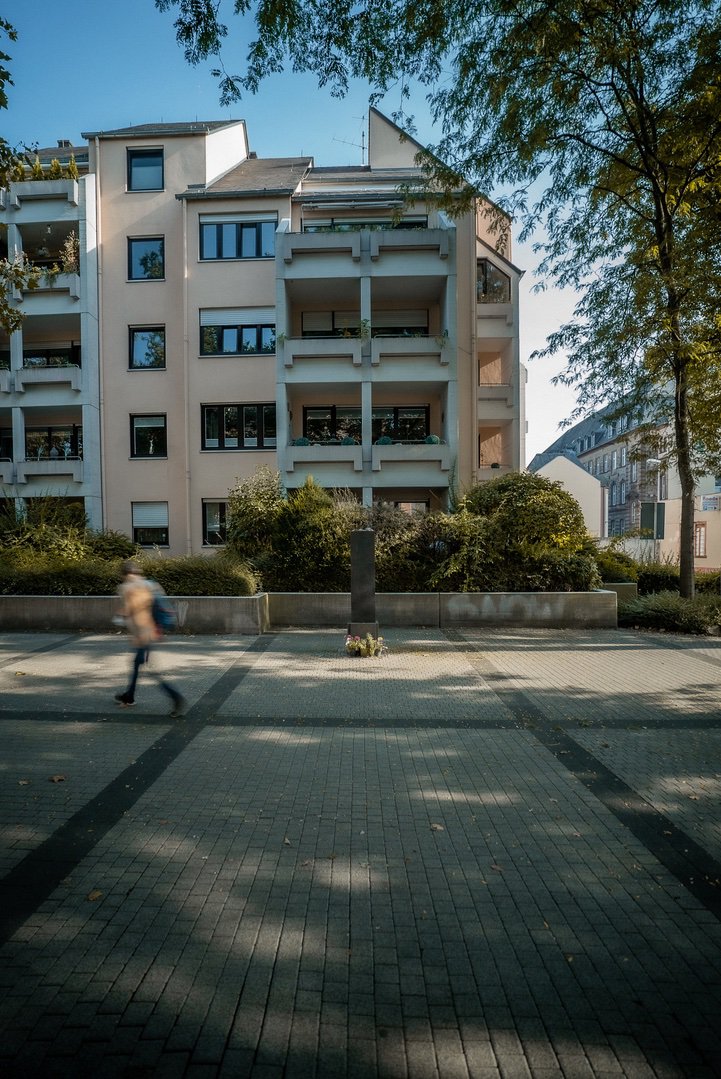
[{"x": 598, "y": 119}]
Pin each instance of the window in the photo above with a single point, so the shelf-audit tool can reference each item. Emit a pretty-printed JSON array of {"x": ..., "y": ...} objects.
[
  {"x": 623, "y": 492},
  {"x": 634, "y": 471},
  {"x": 150, "y": 523},
  {"x": 147, "y": 347},
  {"x": 402, "y": 424},
  {"x": 6, "y": 444},
  {"x": 624, "y": 456},
  {"x": 238, "y": 427},
  {"x": 492, "y": 285},
  {"x": 148, "y": 436},
  {"x": 332, "y": 423},
  {"x": 146, "y": 259},
  {"x": 614, "y": 494},
  {"x": 237, "y": 340},
  {"x": 349, "y": 224},
  {"x": 145, "y": 170},
  {"x": 233, "y": 236},
  {"x": 699, "y": 539},
  {"x": 60, "y": 442},
  {"x": 214, "y": 523},
  {"x": 614, "y": 459},
  {"x": 605, "y": 462}
]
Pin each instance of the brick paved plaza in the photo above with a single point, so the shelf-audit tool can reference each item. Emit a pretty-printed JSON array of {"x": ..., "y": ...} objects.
[{"x": 488, "y": 854}]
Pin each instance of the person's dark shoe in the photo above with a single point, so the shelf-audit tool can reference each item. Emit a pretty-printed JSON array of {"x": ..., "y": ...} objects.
[
  {"x": 179, "y": 708},
  {"x": 123, "y": 700}
]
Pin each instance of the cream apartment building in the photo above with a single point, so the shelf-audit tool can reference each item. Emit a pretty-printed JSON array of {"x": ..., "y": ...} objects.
[
  {"x": 269, "y": 312},
  {"x": 49, "y": 368}
]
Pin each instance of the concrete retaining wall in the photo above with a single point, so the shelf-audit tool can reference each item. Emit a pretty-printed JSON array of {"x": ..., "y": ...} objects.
[{"x": 256, "y": 614}]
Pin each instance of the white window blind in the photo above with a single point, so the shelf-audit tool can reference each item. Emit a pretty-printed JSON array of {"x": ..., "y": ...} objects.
[
  {"x": 225, "y": 219},
  {"x": 399, "y": 318},
  {"x": 150, "y": 514},
  {"x": 238, "y": 316}
]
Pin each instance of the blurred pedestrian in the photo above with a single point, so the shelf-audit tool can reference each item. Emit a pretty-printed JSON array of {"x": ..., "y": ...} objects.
[{"x": 136, "y": 609}]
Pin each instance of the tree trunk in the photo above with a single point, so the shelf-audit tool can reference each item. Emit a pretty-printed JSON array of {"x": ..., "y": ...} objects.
[{"x": 685, "y": 473}]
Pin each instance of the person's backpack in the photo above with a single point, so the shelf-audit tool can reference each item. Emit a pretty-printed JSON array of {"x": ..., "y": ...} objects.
[{"x": 163, "y": 612}]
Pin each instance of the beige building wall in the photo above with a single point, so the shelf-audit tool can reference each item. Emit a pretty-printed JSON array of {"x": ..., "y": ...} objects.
[{"x": 586, "y": 489}]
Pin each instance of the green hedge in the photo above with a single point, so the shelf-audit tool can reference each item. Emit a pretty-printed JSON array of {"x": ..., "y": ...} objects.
[
  {"x": 668, "y": 611},
  {"x": 196, "y": 575}
]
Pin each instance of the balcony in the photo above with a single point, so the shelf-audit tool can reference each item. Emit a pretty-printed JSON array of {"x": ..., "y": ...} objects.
[
  {"x": 55, "y": 295},
  {"x": 320, "y": 353},
  {"x": 410, "y": 350},
  {"x": 494, "y": 402},
  {"x": 5, "y": 381},
  {"x": 43, "y": 375},
  {"x": 24, "y": 191},
  {"x": 325, "y": 454},
  {"x": 71, "y": 467},
  {"x": 7, "y": 472},
  {"x": 411, "y": 452}
]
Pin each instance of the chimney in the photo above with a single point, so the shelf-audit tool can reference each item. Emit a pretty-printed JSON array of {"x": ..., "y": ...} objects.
[{"x": 64, "y": 143}]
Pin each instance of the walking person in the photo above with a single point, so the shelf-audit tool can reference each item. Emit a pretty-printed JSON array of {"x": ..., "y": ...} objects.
[{"x": 136, "y": 607}]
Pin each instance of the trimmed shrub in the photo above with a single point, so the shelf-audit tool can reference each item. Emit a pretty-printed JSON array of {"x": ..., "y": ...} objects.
[
  {"x": 529, "y": 509},
  {"x": 668, "y": 611},
  {"x": 254, "y": 505},
  {"x": 196, "y": 575},
  {"x": 110, "y": 544},
  {"x": 615, "y": 565},
  {"x": 657, "y": 577},
  {"x": 311, "y": 546},
  {"x": 50, "y": 574},
  {"x": 708, "y": 584}
]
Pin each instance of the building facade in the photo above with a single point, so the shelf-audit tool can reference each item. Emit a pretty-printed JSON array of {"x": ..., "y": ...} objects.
[{"x": 251, "y": 312}]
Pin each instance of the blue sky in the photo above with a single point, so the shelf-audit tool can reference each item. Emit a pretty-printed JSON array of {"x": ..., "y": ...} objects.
[{"x": 87, "y": 65}]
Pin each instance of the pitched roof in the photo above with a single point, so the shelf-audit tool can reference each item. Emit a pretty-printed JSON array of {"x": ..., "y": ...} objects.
[
  {"x": 262, "y": 175},
  {"x": 144, "y": 131}
]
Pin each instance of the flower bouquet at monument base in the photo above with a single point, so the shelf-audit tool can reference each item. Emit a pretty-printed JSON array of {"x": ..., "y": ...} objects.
[{"x": 365, "y": 646}]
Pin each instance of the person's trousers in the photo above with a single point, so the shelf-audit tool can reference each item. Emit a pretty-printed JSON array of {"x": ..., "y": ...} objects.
[{"x": 142, "y": 656}]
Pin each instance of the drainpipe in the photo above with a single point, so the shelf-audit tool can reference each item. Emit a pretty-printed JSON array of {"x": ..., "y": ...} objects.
[
  {"x": 101, "y": 349},
  {"x": 186, "y": 369}
]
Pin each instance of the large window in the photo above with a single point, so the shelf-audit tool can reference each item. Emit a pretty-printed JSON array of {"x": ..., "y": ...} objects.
[
  {"x": 236, "y": 237},
  {"x": 61, "y": 441},
  {"x": 350, "y": 224},
  {"x": 332, "y": 423},
  {"x": 146, "y": 258},
  {"x": 220, "y": 340},
  {"x": 6, "y": 444},
  {"x": 492, "y": 285},
  {"x": 238, "y": 427},
  {"x": 150, "y": 524},
  {"x": 147, "y": 347},
  {"x": 145, "y": 170},
  {"x": 215, "y": 516},
  {"x": 148, "y": 436}
]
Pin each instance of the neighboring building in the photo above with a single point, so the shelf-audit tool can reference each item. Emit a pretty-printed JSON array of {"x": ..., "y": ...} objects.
[
  {"x": 639, "y": 492},
  {"x": 265, "y": 311},
  {"x": 49, "y": 369}
]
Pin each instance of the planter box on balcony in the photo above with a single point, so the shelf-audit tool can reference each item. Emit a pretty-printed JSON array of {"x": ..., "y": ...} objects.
[
  {"x": 432, "y": 453},
  {"x": 23, "y": 190},
  {"x": 408, "y": 348},
  {"x": 40, "y": 376},
  {"x": 48, "y": 466},
  {"x": 62, "y": 286},
  {"x": 340, "y": 349},
  {"x": 325, "y": 454},
  {"x": 309, "y": 243},
  {"x": 7, "y": 472}
]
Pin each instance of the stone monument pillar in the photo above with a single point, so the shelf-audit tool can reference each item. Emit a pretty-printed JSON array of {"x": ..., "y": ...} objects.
[{"x": 362, "y": 583}]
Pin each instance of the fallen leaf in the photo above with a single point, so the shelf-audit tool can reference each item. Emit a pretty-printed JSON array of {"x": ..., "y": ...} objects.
[
  {"x": 94, "y": 895},
  {"x": 20, "y": 674},
  {"x": 23, "y": 782},
  {"x": 498, "y": 868},
  {"x": 437, "y": 828},
  {"x": 287, "y": 842},
  {"x": 56, "y": 779}
]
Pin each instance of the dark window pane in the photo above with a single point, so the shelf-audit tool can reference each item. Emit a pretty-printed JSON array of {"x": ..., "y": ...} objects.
[
  {"x": 209, "y": 241},
  {"x": 267, "y": 239},
  {"x": 229, "y": 241},
  {"x": 146, "y": 259},
  {"x": 149, "y": 436},
  {"x": 250, "y": 425},
  {"x": 249, "y": 241},
  {"x": 211, "y": 430},
  {"x": 147, "y": 348},
  {"x": 151, "y": 537},
  {"x": 267, "y": 338},
  {"x": 412, "y": 424},
  {"x": 348, "y": 423},
  {"x": 230, "y": 339},
  {"x": 214, "y": 522},
  {"x": 269, "y": 431},
  {"x": 318, "y": 424},
  {"x": 249, "y": 339},
  {"x": 145, "y": 170},
  {"x": 230, "y": 435}
]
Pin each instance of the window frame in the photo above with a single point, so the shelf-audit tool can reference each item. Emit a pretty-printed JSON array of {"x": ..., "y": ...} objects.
[
  {"x": 137, "y": 153},
  {"x": 162, "y": 540},
  {"x": 132, "y": 331},
  {"x": 146, "y": 239},
  {"x": 700, "y": 540},
  {"x": 221, "y": 327},
  {"x": 262, "y": 441},
  {"x": 222, "y": 525},
  {"x": 150, "y": 455},
  {"x": 242, "y": 228}
]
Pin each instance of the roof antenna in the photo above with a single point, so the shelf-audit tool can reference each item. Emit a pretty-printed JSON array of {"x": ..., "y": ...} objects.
[{"x": 359, "y": 145}]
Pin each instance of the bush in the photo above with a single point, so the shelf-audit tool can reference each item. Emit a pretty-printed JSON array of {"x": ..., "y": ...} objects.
[
  {"x": 657, "y": 577},
  {"x": 110, "y": 544},
  {"x": 196, "y": 575},
  {"x": 528, "y": 510},
  {"x": 311, "y": 545},
  {"x": 615, "y": 565},
  {"x": 35, "y": 574},
  {"x": 254, "y": 505},
  {"x": 708, "y": 584},
  {"x": 668, "y": 611}
]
